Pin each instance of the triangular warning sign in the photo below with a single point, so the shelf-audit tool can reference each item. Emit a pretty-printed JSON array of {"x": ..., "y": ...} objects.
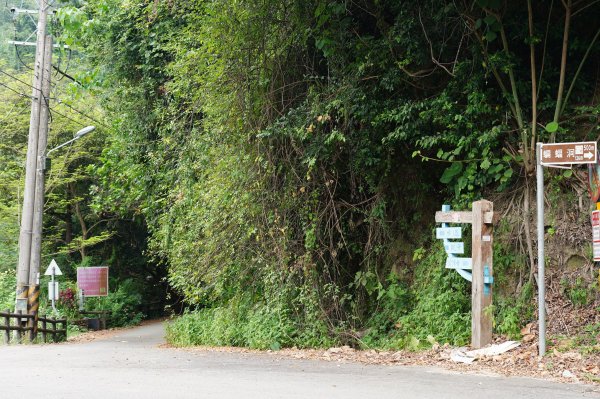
[{"x": 53, "y": 269}]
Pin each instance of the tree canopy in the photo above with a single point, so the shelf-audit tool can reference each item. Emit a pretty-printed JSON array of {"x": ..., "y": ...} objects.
[{"x": 285, "y": 158}]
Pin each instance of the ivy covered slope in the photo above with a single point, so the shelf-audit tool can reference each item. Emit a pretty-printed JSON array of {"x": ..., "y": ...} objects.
[{"x": 287, "y": 156}]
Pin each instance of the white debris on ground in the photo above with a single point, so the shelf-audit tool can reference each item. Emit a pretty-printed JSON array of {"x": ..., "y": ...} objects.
[{"x": 461, "y": 355}]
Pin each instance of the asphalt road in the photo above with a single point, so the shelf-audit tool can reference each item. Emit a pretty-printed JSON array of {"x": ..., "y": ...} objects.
[{"x": 132, "y": 365}]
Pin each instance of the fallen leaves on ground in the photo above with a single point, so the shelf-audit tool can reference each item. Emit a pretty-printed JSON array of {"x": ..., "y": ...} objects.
[{"x": 521, "y": 361}]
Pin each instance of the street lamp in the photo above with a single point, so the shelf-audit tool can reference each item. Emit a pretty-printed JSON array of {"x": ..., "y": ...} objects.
[
  {"x": 38, "y": 210},
  {"x": 76, "y": 136}
]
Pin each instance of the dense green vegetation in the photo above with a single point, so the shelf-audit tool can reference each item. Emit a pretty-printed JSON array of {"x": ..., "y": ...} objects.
[{"x": 283, "y": 159}]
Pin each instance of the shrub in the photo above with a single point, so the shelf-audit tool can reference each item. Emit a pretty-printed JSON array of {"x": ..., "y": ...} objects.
[
  {"x": 439, "y": 309},
  {"x": 8, "y": 283},
  {"x": 123, "y": 304}
]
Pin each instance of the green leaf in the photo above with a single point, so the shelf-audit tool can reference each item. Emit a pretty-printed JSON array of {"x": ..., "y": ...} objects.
[
  {"x": 478, "y": 23},
  {"x": 485, "y": 164},
  {"x": 494, "y": 4},
  {"x": 450, "y": 172},
  {"x": 568, "y": 173},
  {"x": 490, "y": 36},
  {"x": 489, "y": 20},
  {"x": 552, "y": 127}
]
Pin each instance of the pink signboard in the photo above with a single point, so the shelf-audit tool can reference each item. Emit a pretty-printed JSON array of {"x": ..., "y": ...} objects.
[
  {"x": 93, "y": 281},
  {"x": 596, "y": 235}
]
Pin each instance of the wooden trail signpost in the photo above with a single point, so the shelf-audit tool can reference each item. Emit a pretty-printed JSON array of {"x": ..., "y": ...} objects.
[{"x": 482, "y": 219}]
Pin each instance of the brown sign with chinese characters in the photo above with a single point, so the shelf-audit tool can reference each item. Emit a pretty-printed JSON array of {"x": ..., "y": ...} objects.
[
  {"x": 93, "y": 281},
  {"x": 569, "y": 153}
]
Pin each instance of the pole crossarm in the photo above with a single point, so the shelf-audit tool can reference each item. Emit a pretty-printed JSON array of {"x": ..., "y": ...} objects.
[
  {"x": 31, "y": 44},
  {"x": 465, "y": 217}
]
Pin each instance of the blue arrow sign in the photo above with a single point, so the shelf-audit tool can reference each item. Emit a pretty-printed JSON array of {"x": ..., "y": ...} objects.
[
  {"x": 448, "y": 232},
  {"x": 454, "y": 247},
  {"x": 459, "y": 263}
]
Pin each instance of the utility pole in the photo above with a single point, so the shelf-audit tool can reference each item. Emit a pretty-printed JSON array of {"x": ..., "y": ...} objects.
[
  {"x": 38, "y": 208},
  {"x": 38, "y": 129}
]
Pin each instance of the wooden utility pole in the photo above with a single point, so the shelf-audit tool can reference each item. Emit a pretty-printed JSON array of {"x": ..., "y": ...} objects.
[
  {"x": 38, "y": 209},
  {"x": 38, "y": 102}
]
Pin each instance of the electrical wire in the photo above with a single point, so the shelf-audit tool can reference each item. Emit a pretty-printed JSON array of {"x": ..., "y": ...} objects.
[
  {"x": 83, "y": 114},
  {"x": 64, "y": 73},
  {"x": 59, "y": 101},
  {"x": 57, "y": 69},
  {"x": 66, "y": 117},
  {"x": 20, "y": 59},
  {"x": 14, "y": 91},
  {"x": 21, "y": 111},
  {"x": 18, "y": 80}
]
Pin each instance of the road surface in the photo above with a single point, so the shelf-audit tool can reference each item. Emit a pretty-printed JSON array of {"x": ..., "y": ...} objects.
[{"x": 131, "y": 364}]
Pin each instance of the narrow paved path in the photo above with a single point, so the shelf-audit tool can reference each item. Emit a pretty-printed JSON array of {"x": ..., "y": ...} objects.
[{"x": 131, "y": 364}]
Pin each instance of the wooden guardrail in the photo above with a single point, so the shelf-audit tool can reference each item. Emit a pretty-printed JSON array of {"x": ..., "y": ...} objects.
[{"x": 24, "y": 323}]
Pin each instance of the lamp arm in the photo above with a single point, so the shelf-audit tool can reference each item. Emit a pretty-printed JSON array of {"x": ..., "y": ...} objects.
[{"x": 61, "y": 146}]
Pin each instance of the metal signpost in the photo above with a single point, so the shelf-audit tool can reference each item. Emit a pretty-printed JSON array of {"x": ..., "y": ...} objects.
[
  {"x": 478, "y": 269},
  {"x": 554, "y": 155},
  {"x": 53, "y": 270}
]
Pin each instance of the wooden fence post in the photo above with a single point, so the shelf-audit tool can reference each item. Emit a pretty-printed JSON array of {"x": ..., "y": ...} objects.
[
  {"x": 44, "y": 326},
  {"x": 19, "y": 324},
  {"x": 53, "y": 321},
  {"x": 7, "y": 325},
  {"x": 32, "y": 323},
  {"x": 64, "y": 327},
  {"x": 481, "y": 293}
]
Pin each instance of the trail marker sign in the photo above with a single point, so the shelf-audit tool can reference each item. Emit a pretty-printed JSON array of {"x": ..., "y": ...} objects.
[
  {"x": 596, "y": 235},
  {"x": 459, "y": 263},
  {"x": 448, "y": 232},
  {"x": 478, "y": 269},
  {"x": 93, "y": 281},
  {"x": 453, "y": 247},
  {"x": 569, "y": 153}
]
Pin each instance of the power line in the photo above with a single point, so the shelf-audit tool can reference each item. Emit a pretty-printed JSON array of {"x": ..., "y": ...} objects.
[
  {"x": 84, "y": 115},
  {"x": 59, "y": 101},
  {"x": 66, "y": 75},
  {"x": 15, "y": 115},
  {"x": 17, "y": 79},
  {"x": 15, "y": 91},
  {"x": 20, "y": 60},
  {"x": 66, "y": 117}
]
